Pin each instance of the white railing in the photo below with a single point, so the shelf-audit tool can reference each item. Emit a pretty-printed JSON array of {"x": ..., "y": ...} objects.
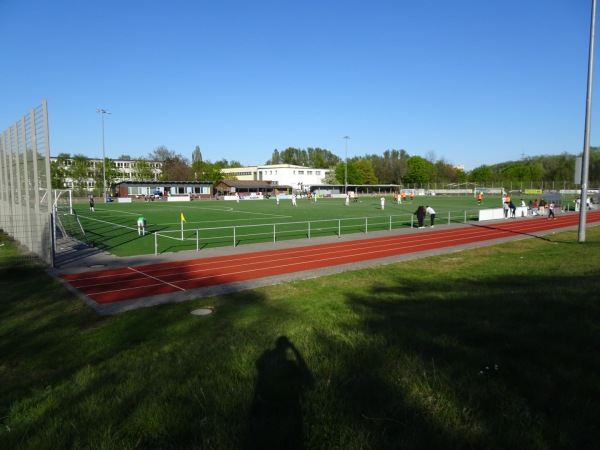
[{"x": 274, "y": 232}]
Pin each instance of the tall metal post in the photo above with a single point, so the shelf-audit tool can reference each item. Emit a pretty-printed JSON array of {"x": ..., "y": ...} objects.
[
  {"x": 346, "y": 167},
  {"x": 102, "y": 112},
  {"x": 586, "y": 140}
]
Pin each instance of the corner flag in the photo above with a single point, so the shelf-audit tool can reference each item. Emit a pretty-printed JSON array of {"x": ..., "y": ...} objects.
[{"x": 182, "y": 217}]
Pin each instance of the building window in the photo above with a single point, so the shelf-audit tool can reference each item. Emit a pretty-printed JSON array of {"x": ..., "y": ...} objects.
[{"x": 301, "y": 172}]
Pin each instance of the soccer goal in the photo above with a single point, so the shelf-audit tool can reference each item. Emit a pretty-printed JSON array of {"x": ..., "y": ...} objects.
[{"x": 66, "y": 220}]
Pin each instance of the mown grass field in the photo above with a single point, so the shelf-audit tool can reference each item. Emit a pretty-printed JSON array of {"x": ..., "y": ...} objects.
[
  {"x": 113, "y": 225},
  {"x": 489, "y": 348}
]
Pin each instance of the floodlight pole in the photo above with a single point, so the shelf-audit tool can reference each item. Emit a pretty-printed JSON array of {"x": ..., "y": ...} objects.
[
  {"x": 346, "y": 167},
  {"x": 102, "y": 112},
  {"x": 586, "y": 139}
]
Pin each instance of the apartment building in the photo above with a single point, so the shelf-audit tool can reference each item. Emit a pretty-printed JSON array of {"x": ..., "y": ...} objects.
[
  {"x": 125, "y": 169},
  {"x": 298, "y": 177}
]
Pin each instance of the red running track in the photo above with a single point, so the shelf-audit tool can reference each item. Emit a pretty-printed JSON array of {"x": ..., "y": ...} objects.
[{"x": 116, "y": 285}]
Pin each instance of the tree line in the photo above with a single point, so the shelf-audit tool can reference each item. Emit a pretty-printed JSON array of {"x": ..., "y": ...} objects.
[{"x": 390, "y": 167}]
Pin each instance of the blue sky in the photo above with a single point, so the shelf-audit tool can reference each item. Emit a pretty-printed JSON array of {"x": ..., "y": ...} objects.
[{"x": 470, "y": 81}]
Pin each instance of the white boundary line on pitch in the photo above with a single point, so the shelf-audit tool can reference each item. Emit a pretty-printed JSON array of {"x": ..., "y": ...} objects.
[{"x": 110, "y": 223}]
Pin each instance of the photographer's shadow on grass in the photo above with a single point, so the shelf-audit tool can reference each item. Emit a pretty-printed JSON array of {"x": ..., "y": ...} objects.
[{"x": 275, "y": 417}]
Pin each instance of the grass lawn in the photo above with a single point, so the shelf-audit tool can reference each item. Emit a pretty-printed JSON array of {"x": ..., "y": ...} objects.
[
  {"x": 490, "y": 348},
  {"x": 113, "y": 226}
]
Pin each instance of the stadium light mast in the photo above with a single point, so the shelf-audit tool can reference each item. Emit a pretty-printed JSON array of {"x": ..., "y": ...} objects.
[
  {"x": 586, "y": 139},
  {"x": 346, "y": 167},
  {"x": 102, "y": 112}
]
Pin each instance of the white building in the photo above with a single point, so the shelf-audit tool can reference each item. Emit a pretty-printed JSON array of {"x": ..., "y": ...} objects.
[
  {"x": 125, "y": 171},
  {"x": 298, "y": 177}
]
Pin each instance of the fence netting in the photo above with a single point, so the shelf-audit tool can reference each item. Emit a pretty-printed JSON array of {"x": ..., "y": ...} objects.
[{"x": 25, "y": 185}]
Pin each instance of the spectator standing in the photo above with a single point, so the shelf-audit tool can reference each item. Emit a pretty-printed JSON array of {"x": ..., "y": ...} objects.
[
  {"x": 420, "y": 213},
  {"x": 513, "y": 209},
  {"x": 551, "y": 211},
  {"x": 542, "y": 207},
  {"x": 429, "y": 210}
]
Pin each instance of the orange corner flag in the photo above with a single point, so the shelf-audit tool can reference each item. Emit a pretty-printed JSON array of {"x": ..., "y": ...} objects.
[{"x": 182, "y": 217}]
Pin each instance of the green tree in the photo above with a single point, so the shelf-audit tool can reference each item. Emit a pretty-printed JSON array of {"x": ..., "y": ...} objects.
[
  {"x": 331, "y": 177},
  {"x": 161, "y": 154},
  {"x": 418, "y": 170},
  {"x": 391, "y": 167},
  {"x": 354, "y": 175},
  {"x": 320, "y": 158},
  {"x": 481, "y": 174},
  {"x": 143, "y": 170},
  {"x": 446, "y": 173},
  {"x": 367, "y": 173},
  {"x": 98, "y": 174},
  {"x": 275, "y": 158},
  {"x": 58, "y": 171},
  {"x": 175, "y": 168},
  {"x": 81, "y": 172},
  {"x": 196, "y": 156},
  {"x": 594, "y": 166},
  {"x": 197, "y": 170},
  {"x": 213, "y": 173}
]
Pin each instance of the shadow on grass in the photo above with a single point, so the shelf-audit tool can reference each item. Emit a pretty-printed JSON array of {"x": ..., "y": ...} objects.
[
  {"x": 487, "y": 363},
  {"x": 523, "y": 233},
  {"x": 156, "y": 377},
  {"x": 275, "y": 418}
]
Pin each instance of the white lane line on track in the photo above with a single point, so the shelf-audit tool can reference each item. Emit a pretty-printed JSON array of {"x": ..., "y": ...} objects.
[{"x": 154, "y": 278}]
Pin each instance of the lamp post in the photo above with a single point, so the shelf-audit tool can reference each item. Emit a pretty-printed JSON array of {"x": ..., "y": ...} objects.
[
  {"x": 102, "y": 112},
  {"x": 586, "y": 138},
  {"x": 346, "y": 167}
]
